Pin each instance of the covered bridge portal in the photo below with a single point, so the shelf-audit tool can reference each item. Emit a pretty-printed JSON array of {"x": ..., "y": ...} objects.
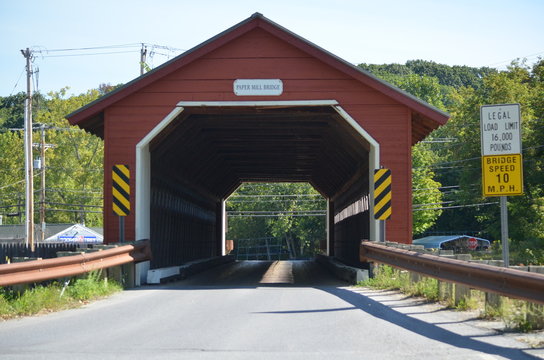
[{"x": 191, "y": 137}]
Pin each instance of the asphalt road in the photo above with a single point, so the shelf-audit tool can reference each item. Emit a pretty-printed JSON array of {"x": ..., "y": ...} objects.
[{"x": 251, "y": 310}]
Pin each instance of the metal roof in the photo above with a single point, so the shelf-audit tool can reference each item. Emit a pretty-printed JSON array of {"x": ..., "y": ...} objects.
[
  {"x": 77, "y": 234},
  {"x": 17, "y": 233},
  {"x": 432, "y": 242}
]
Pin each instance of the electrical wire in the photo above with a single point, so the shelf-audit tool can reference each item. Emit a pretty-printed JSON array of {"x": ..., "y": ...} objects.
[
  {"x": 6, "y": 186},
  {"x": 456, "y": 206},
  {"x": 75, "y": 190},
  {"x": 435, "y": 188},
  {"x": 93, "y": 48},
  {"x": 278, "y": 195},
  {"x": 76, "y": 205},
  {"x": 280, "y": 215},
  {"x": 18, "y": 79},
  {"x": 93, "y": 54},
  {"x": 535, "y": 55},
  {"x": 78, "y": 211},
  {"x": 438, "y": 203}
]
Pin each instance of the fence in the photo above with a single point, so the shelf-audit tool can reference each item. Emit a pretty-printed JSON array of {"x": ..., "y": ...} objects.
[
  {"x": 503, "y": 281},
  {"x": 44, "y": 251},
  {"x": 40, "y": 270},
  {"x": 266, "y": 248}
]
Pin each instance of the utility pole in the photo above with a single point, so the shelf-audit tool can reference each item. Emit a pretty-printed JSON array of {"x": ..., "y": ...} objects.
[
  {"x": 42, "y": 192},
  {"x": 29, "y": 174},
  {"x": 41, "y": 166},
  {"x": 143, "y": 58}
]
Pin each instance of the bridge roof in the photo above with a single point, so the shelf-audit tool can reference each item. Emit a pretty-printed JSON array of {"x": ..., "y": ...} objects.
[{"x": 425, "y": 117}]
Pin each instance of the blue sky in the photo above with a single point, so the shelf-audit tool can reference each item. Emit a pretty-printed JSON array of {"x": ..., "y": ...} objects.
[{"x": 454, "y": 32}]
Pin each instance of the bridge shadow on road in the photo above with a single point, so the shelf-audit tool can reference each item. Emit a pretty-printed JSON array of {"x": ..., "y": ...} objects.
[{"x": 431, "y": 331}]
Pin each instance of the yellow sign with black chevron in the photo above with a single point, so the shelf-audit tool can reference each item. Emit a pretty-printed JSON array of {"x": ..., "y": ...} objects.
[
  {"x": 382, "y": 194},
  {"x": 121, "y": 190}
]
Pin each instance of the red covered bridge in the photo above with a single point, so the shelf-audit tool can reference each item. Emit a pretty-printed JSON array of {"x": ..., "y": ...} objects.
[{"x": 255, "y": 103}]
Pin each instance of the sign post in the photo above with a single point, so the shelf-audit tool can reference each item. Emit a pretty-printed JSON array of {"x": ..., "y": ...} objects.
[
  {"x": 121, "y": 196},
  {"x": 502, "y": 164}
]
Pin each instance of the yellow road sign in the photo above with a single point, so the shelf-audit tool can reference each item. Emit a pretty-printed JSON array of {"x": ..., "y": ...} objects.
[
  {"x": 121, "y": 190},
  {"x": 382, "y": 194},
  {"x": 502, "y": 175}
]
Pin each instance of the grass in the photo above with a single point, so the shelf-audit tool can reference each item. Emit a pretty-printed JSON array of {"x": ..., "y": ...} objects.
[
  {"x": 517, "y": 315},
  {"x": 386, "y": 277},
  {"x": 54, "y": 297}
]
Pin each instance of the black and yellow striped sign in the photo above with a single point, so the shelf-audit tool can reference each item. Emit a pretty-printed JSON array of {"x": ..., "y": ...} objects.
[
  {"x": 121, "y": 190},
  {"x": 382, "y": 194}
]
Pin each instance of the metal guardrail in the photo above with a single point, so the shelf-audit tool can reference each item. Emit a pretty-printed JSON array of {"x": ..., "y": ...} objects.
[
  {"x": 504, "y": 281},
  {"x": 40, "y": 270}
]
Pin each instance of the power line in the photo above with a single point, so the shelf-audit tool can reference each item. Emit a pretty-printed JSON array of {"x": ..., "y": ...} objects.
[
  {"x": 439, "y": 188},
  {"x": 75, "y": 190},
  {"x": 17, "y": 82},
  {"x": 93, "y": 54},
  {"x": 119, "y": 46},
  {"x": 277, "y": 195},
  {"x": 439, "y": 167},
  {"x": 257, "y": 212},
  {"x": 510, "y": 61},
  {"x": 78, "y": 211},
  {"x": 10, "y": 185},
  {"x": 456, "y": 206},
  {"x": 283, "y": 201},
  {"x": 279, "y": 215},
  {"x": 438, "y": 203},
  {"x": 93, "y": 48},
  {"x": 81, "y": 51},
  {"x": 75, "y": 205},
  {"x": 11, "y": 206}
]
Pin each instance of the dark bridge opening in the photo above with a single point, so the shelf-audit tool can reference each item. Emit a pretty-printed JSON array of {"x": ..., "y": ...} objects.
[{"x": 205, "y": 153}]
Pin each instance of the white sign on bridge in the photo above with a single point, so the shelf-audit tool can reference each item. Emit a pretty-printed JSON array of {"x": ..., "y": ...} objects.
[
  {"x": 257, "y": 87},
  {"x": 501, "y": 129}
]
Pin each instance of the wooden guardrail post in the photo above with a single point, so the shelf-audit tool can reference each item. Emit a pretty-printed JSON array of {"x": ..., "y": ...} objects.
[
  {"x": 535, "y": 312},
  {"x": 445, "y": 291},
  {"x": 462, "y": 293},
  {"x": 129, "y": 279},
  {"x": 493, "y": 302}
]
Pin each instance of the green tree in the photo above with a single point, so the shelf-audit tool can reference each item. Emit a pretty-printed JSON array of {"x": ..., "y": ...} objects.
[
  {"x": 449, "y": 76},
  {"x": 12, "y": 175},
  {"x": 74, "y": 170},
  {"x": 516, "y": 85},
  {"x": 74, "y": 174},
  {"x": 273, "y": 205},
  {"x": 12, "y": 109},
  {"x": 426, "y": 195}
]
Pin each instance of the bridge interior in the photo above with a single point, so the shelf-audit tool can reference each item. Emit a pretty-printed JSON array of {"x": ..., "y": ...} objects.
[{"x": 202, "y": 156}]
